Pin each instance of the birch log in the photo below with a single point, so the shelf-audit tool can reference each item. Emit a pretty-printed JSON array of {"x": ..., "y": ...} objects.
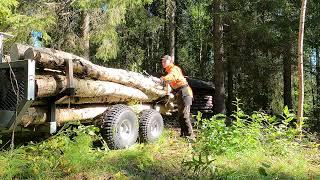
[
  {"x": 17, "y": 51},
  {"x": 86, "y": 100},
  {"x": 53, "y": 59},
  {"x": 6, "y": 58},
  {"x": 49, "y": 85},
  {"x": 38, "y": 115}
]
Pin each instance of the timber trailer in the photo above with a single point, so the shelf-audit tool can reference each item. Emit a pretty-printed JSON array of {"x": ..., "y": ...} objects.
[{"x": 120, "y": 125}]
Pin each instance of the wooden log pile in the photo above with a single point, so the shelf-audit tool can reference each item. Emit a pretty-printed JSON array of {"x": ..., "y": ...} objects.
[
  {"x": 93, "y": 84},
  {"x": 203, "y": 97}
]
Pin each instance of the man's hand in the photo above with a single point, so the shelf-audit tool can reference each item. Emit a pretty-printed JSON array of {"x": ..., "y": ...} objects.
[{"x": 157, "y": 80}]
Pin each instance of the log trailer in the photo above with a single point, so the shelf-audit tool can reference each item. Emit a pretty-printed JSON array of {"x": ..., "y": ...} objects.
[
  {"x": 119, "y": 123},
  {"x": 33, "y": 98},
  {"x": 20, "y": 108}
]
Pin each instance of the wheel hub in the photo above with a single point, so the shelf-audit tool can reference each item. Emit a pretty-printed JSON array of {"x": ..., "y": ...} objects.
[
  {"x": 155, "y": 129},
  {"x": 125, "y": 129}
]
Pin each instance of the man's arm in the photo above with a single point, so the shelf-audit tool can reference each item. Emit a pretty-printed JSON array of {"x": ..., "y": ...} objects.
[{"x": 172, "y": 76}]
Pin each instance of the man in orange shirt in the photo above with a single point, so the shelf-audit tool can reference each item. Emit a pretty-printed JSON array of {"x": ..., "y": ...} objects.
[{"x": 183, "y": 92}]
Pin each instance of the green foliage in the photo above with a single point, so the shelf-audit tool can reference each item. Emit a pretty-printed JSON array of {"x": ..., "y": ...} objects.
[
  {"x": 257, "y": 133},
  {"x": 6, "y": 10},
  {"x": 20, "y": 19},
  {"x": 65, "y": 153},
  {"x": 104, "y": 31}
]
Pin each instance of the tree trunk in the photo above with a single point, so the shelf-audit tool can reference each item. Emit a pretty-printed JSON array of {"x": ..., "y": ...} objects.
[
  {"x": 287, "y": 76},
  {"x": 165, "y": 38},
  {"x": 110, "y": 99},
  {"x": 300, "y": 65},
  {"x": 6, "y": 58},
  {"x": 219, "y": 96},
  {"x": 86, "y": 34},
  {"x": 231, "y": 97},
  {"x": 172, "y": 27},
  {"x": 38, "y": 115},
  {"x": 53, "y": 59},
  {"x": 17, "y": 51},
  {"x": 48, "y": 85},
  {"x": 317, "y": 110}
]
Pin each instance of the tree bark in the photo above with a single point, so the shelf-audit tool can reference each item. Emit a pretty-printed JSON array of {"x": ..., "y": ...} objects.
[
  {"x": 6, "y": 58},
  {"x": 231, "y": 97},
  {"x": 172, "y": 27},
  {"x": 317, "y": 110},
  {"x": 111, "y": 99},
  {"x": 300, "y": 66},
  {"x": 86, "y": 34},
  {"x": 39, "y": 115},
  {"x": 17, "y": 51},
  {"x": 287, "y": 75},
  {"x": 53, "y": 59},
  {"x": 219, "y": 95},
  {"x": 48, "y": 85}
]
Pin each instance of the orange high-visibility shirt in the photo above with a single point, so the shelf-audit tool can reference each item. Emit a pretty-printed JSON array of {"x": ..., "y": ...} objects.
[{"x": 175, "y": 78}]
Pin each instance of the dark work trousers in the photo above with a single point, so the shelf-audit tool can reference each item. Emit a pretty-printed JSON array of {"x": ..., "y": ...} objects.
[{"x": 184, "y": 102}]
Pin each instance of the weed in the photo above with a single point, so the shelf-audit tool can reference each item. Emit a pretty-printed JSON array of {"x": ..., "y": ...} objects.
[{"x": 254, "y": 146}]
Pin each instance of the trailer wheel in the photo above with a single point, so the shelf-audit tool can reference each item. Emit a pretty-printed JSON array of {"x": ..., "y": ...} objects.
[
  {"x": 151, "y": 125},
  {"x": 120, "y": 127}
]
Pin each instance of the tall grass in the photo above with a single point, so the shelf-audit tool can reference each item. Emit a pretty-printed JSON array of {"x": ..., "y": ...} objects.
[
  {"x": 74, "y": 154},
  {"x": 257, "y": 146}
]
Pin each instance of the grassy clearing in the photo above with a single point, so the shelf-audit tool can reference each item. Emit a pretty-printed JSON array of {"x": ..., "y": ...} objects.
[{"x": 72, "y": 155}]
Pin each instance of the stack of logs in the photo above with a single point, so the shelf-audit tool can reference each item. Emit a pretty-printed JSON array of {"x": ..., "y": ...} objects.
[
  {"x": 203, "y": 97},
  {"x": 93, "y": 84}
]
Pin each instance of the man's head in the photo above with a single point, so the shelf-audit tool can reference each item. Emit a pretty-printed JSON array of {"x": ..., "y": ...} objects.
[{"x": 166, "y": 61}]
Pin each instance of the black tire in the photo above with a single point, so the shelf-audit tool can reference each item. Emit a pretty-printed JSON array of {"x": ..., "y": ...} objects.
[
  {"x": 120, "y": 127},
  {"x": 151, "y": 125}
]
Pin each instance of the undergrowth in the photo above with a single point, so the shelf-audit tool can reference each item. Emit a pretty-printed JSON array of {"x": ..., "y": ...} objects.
[
  {"x": 79, "y": 152},
  {"x": 257, "y": 146}
]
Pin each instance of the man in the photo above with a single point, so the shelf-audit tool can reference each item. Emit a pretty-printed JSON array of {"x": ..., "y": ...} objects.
[{"x": 183, "y": 93}]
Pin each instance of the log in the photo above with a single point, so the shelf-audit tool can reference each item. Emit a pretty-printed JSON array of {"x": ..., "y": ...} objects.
[
  {"x": 6, "y": 59},
  {"x": 85, "y": 100},
  {"x": 53, "y": 59},
  {"x": 17, "y": 51},
  {"x": 38, "y": 115},
  {"x": 49, "y": 85}
]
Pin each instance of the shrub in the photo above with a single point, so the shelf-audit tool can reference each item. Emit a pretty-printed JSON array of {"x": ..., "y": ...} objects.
[{"x": 259, "y": 132}]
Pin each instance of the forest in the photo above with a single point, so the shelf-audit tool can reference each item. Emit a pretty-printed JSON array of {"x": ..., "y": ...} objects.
[{"x": 247, "y": 49}]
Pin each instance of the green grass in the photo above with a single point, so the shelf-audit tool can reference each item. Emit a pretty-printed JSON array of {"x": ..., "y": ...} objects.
[
  {"x": 261, "y": 165},
  {"x": 72, "y": 156}
]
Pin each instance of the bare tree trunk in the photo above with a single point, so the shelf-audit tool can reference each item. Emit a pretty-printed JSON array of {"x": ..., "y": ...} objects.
[
  {"x": 317, "y": 108},
  {"x": 38, "y": 115},
  {"x": 48, "y": 85},
  {"x": 108, "y": 99},
  {"x": 219, "y": 95},
  {"x": 53, "y": 59},
  {"x": 165, "y": 38},
  {"x": 300, "y": 65},
  {"x": 86, "y": 34},
  {"x": 230, "y": 87},
  {"x": 17, "y": 51},
  {"x": 172, "y": 27},
  {"x": 287, "y": 75}
]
